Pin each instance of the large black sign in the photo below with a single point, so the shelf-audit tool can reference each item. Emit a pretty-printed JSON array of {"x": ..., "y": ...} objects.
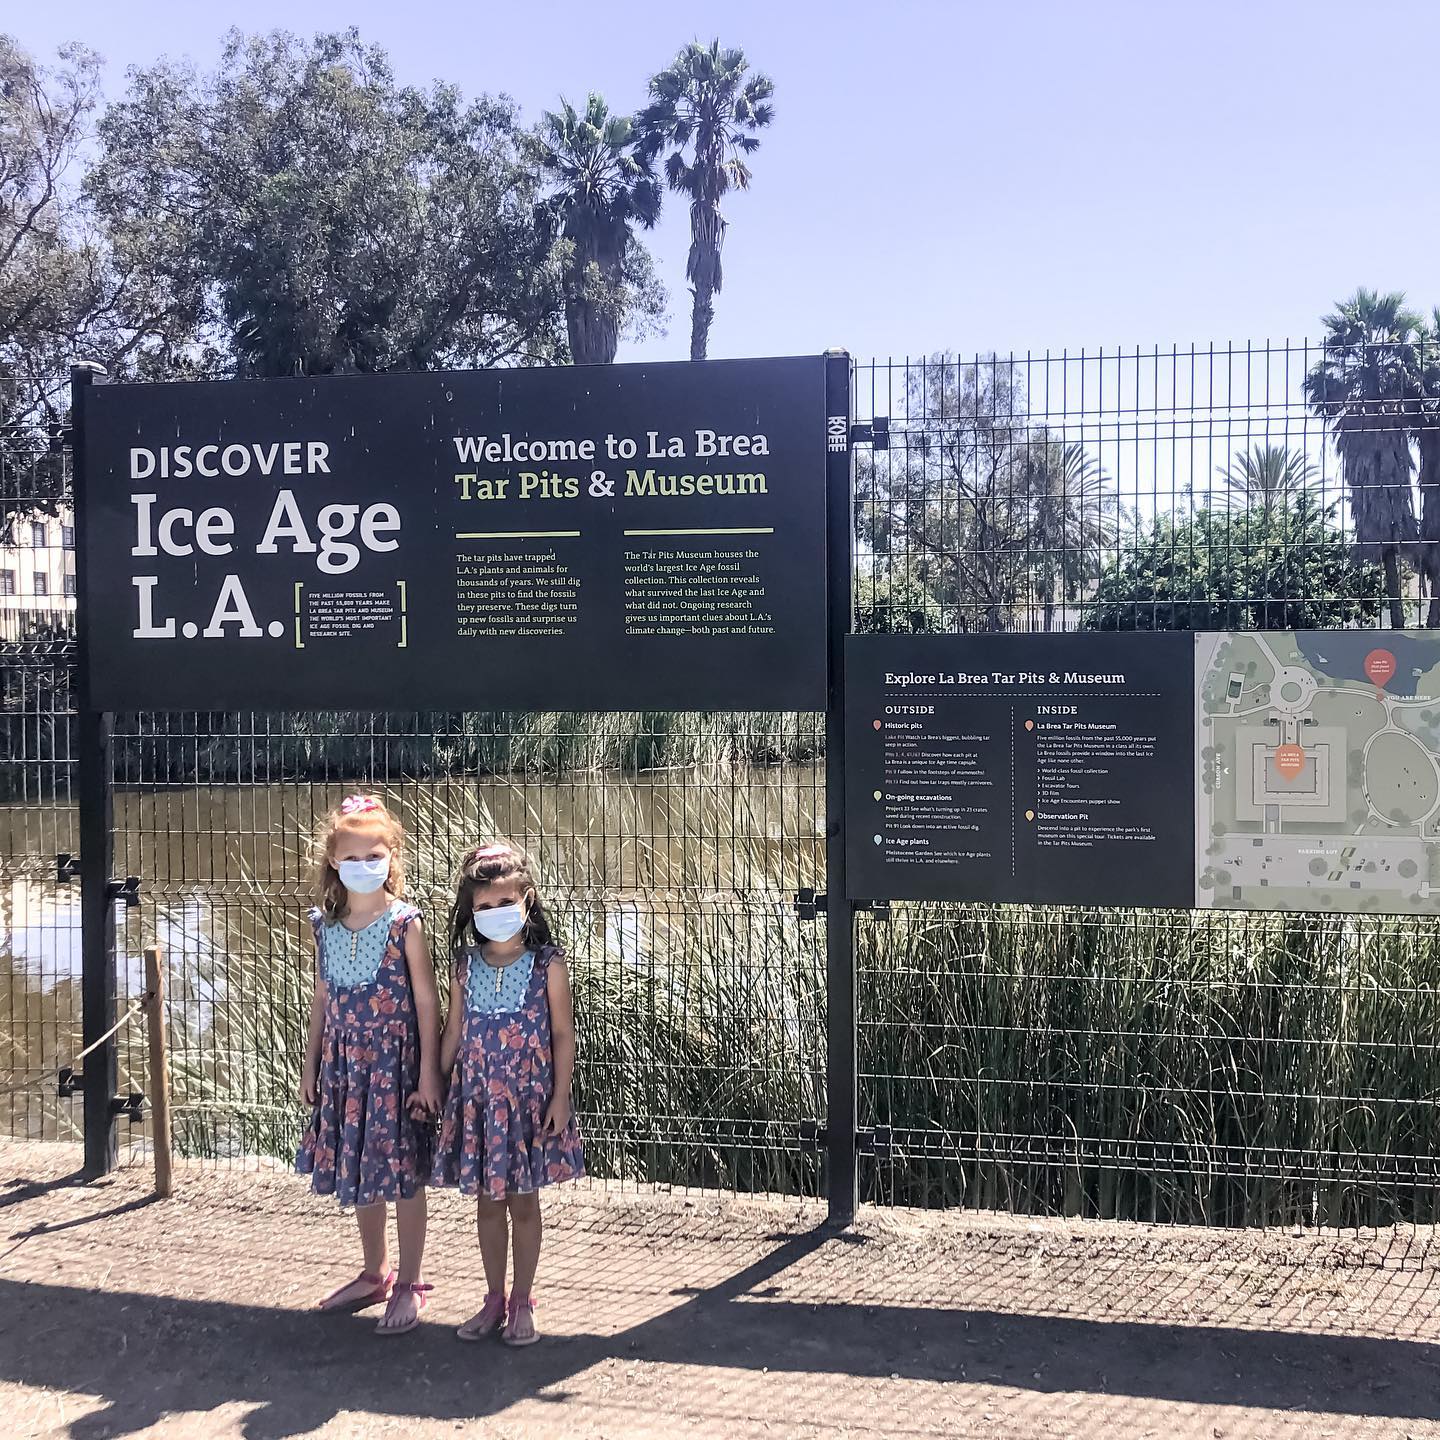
[
  {"x": 1028, "y": 768},
  {"x": 614, "y": 537}
]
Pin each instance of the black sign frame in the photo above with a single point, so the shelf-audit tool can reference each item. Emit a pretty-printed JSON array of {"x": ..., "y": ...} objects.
[
  {"x": 975, "y": 776},
  {"x": 643, "y": 537}
]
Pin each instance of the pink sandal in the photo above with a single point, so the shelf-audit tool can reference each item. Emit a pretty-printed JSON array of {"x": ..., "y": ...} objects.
[
  {"x": 517, "y": 1304},
  {"x": 381, "y": 1286},
  {"x": 486, "y": 1321},
  {"x": 404, "y": 1287}
]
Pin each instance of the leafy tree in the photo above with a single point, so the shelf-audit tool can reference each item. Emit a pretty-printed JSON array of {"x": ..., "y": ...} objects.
[
  {"x": 1265, "y": 476},
  {"x": 991, "y": 514},
  {"x": 704, "y": 109},
  {"x": 62, "y": 297},
  {"x": 1072, "y": 519},
  {"x": 311, "y": 216},
  {"x": 891, "y": 599},
  {"x": 1364, "y": 386},
  {"x": 1287, "y": 568},
  {"x": 51, "y": 275},
  {"x": 601, "y": 187}
]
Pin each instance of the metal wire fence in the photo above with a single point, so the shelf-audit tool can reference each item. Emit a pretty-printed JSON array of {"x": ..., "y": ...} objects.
[
  {"x": 1210, "y": 1067},
  {"x": 671, "y": 848},
  {"x": 40, "y": 958},
  {"x": 1201, "y": 1067}
]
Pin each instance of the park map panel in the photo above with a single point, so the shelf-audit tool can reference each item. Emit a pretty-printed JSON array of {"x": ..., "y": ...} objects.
[
  {"x": 1248, "y": 771},
  {"x": 1318, "y": 774}
]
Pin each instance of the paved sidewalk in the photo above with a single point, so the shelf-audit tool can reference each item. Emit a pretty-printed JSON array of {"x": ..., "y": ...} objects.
[{"x": 668, "y": 1316}]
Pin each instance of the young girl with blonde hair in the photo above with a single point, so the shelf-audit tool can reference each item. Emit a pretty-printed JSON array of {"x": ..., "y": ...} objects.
[{"x": 372, "y": 1061}]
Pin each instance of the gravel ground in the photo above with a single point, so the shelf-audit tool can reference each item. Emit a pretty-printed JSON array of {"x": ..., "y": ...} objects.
[{"x": 667, "y": 1315}]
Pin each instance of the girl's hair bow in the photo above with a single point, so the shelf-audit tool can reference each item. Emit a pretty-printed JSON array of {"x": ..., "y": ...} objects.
[{"x": 358, "y": 804}]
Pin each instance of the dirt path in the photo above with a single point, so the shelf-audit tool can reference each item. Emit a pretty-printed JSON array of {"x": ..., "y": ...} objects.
[{"x": 697, "y": 1318}]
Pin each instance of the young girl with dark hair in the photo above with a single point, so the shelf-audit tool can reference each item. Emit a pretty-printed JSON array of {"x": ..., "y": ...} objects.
[{"x": 508, "y": 1128}]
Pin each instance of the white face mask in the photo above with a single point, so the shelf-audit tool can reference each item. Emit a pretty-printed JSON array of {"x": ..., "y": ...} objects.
[
  {"x": 364, "y": 877},
  {"x": 502, "y": 923}
]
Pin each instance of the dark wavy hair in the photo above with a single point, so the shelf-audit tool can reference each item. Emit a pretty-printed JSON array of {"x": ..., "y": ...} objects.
[{"x": 488, "y": 865}]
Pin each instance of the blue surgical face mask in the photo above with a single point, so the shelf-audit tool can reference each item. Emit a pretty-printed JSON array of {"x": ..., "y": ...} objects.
[
  {"x": 502, "y": 923},
  {"x": 364, "y": 877}
]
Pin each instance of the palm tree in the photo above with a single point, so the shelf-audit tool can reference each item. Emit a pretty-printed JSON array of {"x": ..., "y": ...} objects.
[
  {"x": 1267, "y": 476},
  {"x": 704, "y": 108},
  {"x": 602, "y": 186},
  {"x": 1364, "y": 386},
  {"x": 1427, "y": 443},
  {"x": 1072, "y": 519}
]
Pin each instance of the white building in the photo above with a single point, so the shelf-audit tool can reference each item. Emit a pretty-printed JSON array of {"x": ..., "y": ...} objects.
[{"x": 37, "y": 575}]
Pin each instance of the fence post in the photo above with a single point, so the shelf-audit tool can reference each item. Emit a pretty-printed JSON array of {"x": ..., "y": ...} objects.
[
  {"x": 94, "y": 780},
  {"x": 159, "y": 1070},
  {"x": 842, "y": 1190}
]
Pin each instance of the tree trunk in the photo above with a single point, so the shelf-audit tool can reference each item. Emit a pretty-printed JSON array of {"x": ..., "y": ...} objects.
[
  {"x": 702, "y": 270},
  {"x": 702, "y": 313},
  {"x": 1428, "y": 443},
  {"x": 594, "y": 336},
  {"x": 1392, "y": 587}
]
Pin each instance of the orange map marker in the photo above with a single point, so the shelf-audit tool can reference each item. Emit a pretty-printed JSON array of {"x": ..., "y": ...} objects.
[
  {"x": 1380, "y": 667},
  {"x": 1289, "y": 760}
]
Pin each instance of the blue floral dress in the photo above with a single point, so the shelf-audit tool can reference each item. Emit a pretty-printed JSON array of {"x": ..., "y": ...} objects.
[
  {"x": 504, "y": 1076},
  {"x": 361, "y": 1144}
]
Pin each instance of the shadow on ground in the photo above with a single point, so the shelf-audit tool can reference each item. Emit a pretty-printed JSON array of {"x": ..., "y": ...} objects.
[{"x": 148, "y": 1356}]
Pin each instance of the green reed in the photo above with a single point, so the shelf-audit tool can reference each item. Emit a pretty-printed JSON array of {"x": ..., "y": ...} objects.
[
  {"x": 1172, "y": 1066},
  {"x": 1213, "y": 1068}
]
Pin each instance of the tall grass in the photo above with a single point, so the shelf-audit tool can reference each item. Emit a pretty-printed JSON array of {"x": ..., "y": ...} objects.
[
  {"x": 1197, "y": 1067},
  {"x": 37, "y": 735}
]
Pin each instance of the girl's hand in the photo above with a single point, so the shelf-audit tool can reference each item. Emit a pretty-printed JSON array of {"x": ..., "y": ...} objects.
[
  {"x": 557, "y": 1117},
  {"x": 429, "y": 1098},
  {"x": 309, "y": 1086}
]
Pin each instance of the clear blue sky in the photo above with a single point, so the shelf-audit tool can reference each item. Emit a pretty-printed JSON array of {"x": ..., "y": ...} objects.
[{"x": 969, "y": 175}]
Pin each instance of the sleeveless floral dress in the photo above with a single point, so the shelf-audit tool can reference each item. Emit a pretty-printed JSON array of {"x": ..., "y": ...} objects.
[
  {"x": 504, "y": 1076},
  {"x": 361, "y": 1144}
]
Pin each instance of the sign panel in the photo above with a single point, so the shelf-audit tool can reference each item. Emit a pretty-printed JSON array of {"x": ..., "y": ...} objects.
[
  {"x": 1317, "y": 785},
  {"x": 1030, "y": 768},
  {"x": 609, "y": 538},
  {"x": 1248, "y": 771}
]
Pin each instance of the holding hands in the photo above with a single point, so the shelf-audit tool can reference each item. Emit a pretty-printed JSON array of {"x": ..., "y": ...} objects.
[{"x": 426, "y": 1102}]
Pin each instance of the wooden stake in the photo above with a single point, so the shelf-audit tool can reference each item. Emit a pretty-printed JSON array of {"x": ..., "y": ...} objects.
[{"x": 159, "y": 1071}]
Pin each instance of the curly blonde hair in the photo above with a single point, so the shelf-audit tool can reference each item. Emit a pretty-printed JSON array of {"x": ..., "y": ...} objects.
[{"x": 364, "y": 813}]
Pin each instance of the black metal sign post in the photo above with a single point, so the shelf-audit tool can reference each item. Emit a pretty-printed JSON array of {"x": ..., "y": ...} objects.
[
  {"x": 840, "y": 1059},
  {"x": 94, "y": 781}
]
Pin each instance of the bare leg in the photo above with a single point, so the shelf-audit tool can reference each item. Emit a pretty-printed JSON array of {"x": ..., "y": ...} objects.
[
  {"x": 525, "y": 1222},
  {"x": 525, "y": 1228},
  {"x": 410, "y": 1221},
  {"x": 371, "y": 1221},
  {"x": 493, "y": 1231}
]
